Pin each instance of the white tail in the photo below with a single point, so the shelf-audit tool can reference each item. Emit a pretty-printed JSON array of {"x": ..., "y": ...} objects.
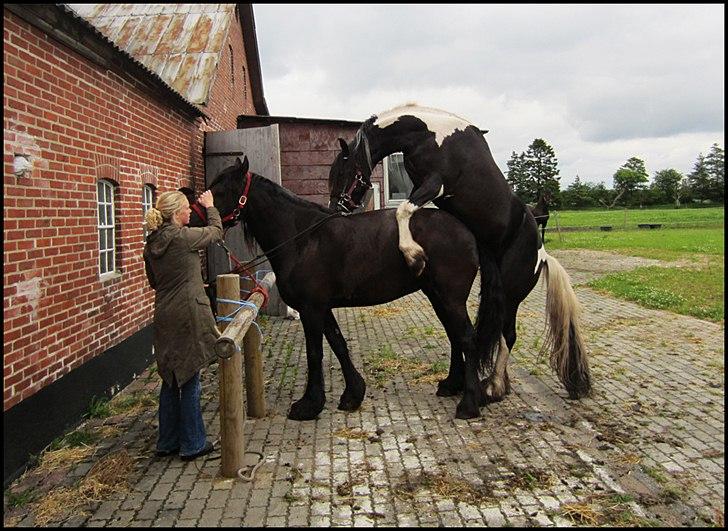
[{"x": 563, "y": 339}]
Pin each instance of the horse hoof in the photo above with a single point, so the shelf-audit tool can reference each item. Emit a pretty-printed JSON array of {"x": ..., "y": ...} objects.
[
  {"x": 416, "y": 260},
  {"x": 304, "y": 411},
  {"x": 348, "y": 404},
  {"x": 466, "y": 413}
]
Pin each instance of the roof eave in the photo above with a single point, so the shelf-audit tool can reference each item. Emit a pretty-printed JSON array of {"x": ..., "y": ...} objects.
[{"x": 250, "y": 41}]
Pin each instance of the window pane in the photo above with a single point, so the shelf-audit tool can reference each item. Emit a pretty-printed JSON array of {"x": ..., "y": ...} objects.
[
  {"x": 102, "y": 241},
  {"x": 110, "y": 261},
  {"x": 109, "y": 215},
  {"x": 400, "y": 185}
]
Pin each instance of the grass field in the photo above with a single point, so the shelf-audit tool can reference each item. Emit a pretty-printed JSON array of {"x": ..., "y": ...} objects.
[
  {"x": 669, "y": 217},
  {"x": 694, "y": 288}
]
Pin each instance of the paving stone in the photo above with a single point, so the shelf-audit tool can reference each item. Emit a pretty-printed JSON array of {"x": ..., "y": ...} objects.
[{"x": 637, "y": 411}]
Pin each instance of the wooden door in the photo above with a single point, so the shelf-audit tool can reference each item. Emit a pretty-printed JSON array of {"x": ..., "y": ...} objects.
[{"x": 262, "y": 147}]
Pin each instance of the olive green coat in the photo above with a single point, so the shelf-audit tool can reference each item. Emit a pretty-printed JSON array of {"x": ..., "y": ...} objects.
[{"x": 184, "y": 326}]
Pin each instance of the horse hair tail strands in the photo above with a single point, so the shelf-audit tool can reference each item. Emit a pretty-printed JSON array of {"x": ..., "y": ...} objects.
[
  {"x": 489, "y": 321},
  {"x": 564, "y": 338}
]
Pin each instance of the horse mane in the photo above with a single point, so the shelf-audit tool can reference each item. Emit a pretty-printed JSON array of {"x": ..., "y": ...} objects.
[{"x": 279, "y": 192}]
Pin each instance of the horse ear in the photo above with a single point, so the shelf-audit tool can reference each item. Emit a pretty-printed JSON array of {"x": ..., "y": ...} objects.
[
  {"x": 238, "y": 162},
  {"x": 344, "y": 148},
  {"x": 244, "y": 165}
]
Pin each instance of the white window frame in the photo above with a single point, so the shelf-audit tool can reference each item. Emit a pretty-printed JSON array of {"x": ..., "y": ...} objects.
[
  {"x": 147, "y": 203},
  {"x": 106, "y": 228},
  {"x": 389, "y": 203},
  {"x": 394, "y": 203}
]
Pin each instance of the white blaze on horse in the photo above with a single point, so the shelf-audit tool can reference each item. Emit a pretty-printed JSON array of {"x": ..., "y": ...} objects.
[{"x": 450, "y": 164}]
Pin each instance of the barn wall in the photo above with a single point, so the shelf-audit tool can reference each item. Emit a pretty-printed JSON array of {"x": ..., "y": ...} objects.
[
  {"x": 307, "y": 152},
  {"x": 80, "y": 122}
]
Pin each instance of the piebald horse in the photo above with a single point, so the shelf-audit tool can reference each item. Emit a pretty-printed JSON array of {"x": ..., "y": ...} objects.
[{"x": 450, "y": 163}]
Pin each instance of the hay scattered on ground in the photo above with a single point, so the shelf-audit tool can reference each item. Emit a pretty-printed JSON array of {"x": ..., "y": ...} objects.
[
  {"x": 52, "y": 460},
  {"x": 385, "y": 311},
  {"x": 109, "y": 475},
  {"x": 444, "y": 485},
  {"x": 352, "y": 433},
  {"x": 581, "y": 513},
  {"x": 431, "y": 378}
]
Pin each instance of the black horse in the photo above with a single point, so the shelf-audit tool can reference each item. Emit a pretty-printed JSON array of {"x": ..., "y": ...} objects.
[
  {"x": 349, "y": 261},
  {"x": 540, "y": 211},
  {"x": 450, "y": 163}
]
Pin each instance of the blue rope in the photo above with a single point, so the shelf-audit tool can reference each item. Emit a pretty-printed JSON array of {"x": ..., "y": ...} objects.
[{"x": 240, "y": 304}]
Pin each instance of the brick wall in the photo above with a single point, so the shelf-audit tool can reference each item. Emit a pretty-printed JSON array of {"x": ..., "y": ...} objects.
[
  {"x": 230, "y": 95},
  {"x": 79, "y": 122}
]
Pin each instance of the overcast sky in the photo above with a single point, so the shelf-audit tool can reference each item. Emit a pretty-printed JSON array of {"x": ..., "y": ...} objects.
[{"x": 600, "y": 84}]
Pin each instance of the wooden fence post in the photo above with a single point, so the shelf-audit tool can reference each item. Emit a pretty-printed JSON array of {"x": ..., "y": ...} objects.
[
  {"x": 228, "y": 347},
  {"x": 232, "y": 414}
]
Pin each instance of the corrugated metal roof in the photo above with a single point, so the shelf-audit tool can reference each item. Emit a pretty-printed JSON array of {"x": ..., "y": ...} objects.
[{"x": 181, "y": 43}]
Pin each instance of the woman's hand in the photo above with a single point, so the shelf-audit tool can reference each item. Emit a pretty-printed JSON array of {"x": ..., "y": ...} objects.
[{"x": 206, "y": 199}]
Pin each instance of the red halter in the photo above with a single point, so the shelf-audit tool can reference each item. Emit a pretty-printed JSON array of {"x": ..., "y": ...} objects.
[{"x": 233, "y": 216}]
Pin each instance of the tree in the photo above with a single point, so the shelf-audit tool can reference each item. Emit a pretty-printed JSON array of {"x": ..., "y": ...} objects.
[
  {"x": 517, "y": 174},
  {"x": 534, "y": 171},
  {"x": 577, "y": 195},
  {"x": 629, "y": 178},
  {"x": 699, "y": 180},
  {"x": 669, "y": 185},
  {"x": 715, "y": 166}
]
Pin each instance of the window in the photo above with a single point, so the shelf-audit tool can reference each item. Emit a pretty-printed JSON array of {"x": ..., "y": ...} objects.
[
  {"x": 147, "y": 203},
  {"x": 397, "y": 184},
  {"x": 107, "y": 247}
]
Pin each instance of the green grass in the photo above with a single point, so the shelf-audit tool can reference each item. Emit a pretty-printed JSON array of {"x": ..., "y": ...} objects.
[
  {"x": 99, "y": 408},
  {"x": 669, "y": 217},
  {"x": 660, "y": 244},
  {"x": 697, "y": 290}
]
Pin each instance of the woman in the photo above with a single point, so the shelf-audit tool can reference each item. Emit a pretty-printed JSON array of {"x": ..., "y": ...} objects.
[{"x": 184, "y": 326}]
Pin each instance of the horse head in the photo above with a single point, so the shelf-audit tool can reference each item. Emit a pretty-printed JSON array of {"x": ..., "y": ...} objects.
[
  {"x": 350, "y": 174},
  {"x": 229, "y": 191}
]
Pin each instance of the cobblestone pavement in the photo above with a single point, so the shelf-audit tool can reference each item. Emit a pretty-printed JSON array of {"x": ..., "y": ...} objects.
[{"x": 646, "y": 448}]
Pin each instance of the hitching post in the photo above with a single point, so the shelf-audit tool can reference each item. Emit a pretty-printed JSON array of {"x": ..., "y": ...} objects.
[
  {"x": 232, "y": 414},
  {"x": 228, "y": 347}
]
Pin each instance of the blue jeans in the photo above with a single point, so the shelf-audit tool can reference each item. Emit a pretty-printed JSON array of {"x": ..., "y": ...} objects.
[{"x": 180, "y": 418}]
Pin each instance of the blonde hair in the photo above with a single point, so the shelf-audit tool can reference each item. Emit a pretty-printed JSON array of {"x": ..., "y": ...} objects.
[{"x": 167, "y": 204}]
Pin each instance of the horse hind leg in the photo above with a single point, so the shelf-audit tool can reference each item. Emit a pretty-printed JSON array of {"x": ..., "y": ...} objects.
[
  {"x": 453, "y": 384},
  {"x": 431, "y": 188},
  {"x": 353, "y": 394},
  {"x": 498, "y": 385}
]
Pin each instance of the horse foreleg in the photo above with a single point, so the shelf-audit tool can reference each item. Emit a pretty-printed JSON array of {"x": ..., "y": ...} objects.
[
  {"x": 353, "y": 395},
  {"x": 414, "y": 254},
  {"x": 314, "y": 398}
]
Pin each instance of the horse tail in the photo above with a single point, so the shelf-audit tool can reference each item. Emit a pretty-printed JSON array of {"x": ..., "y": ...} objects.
[
  {"x": 564, "y": 339},
  {"x": 489, "y": 321}
]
